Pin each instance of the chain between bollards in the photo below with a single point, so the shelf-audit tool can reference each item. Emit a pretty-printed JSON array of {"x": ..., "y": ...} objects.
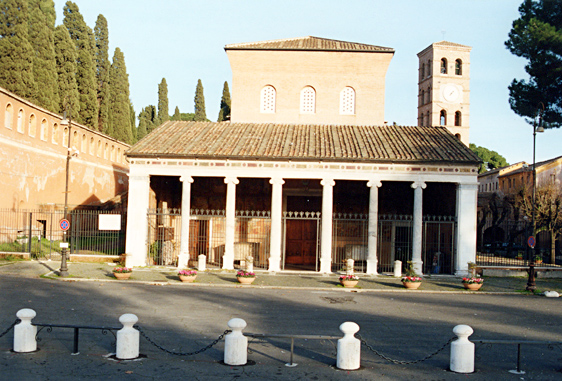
[
  {"x": 181, "y": 353},
  {"x": 10, "y": 327},
  {"x": 404, "y": 362}
]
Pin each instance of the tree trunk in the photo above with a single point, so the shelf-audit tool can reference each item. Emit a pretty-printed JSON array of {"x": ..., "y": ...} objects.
[{"x": 552, "y": 247}]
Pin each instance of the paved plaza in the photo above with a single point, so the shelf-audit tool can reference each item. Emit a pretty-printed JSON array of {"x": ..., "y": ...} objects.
[{"x": 403, "y": 325}]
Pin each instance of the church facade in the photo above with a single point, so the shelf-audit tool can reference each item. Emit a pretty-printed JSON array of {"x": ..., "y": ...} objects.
[{"x": 306, "y": 174}]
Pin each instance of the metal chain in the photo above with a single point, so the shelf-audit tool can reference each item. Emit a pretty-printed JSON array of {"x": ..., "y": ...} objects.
[
  {"x": 182, "y": 353},
  {"x": 404, "y": 362},
  {"x": 10, "y": 327}
]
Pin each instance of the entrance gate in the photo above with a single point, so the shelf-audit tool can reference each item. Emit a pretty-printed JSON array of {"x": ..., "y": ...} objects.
[{"x": 301, "y": 245}]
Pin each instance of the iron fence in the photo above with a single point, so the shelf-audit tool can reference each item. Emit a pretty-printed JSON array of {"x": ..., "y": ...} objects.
[
  {"x": 163, "y": 237},
  {"x": 207, "y": 235},
  {"x": 349, "y": 240}
]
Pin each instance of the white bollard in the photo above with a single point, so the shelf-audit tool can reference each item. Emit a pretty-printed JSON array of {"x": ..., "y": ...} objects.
[
  {"x": 397, "y": 269},
  {"x": 236, "y": 344},
  {"x": 24, "y": 332},
  {"x": 462, "y": 350},
  {"x": 202, "y": 262},
  {"x": 349, "y": 348},
  {"x": 128, "y": 338},
  {"x": 250, "y": 264},
  {"x": 349, "y": 266}
]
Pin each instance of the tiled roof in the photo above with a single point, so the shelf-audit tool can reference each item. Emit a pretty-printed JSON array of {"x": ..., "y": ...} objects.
[
  {"x": 267, "y": 141},
  {"x": 454, "y": 44},
  {"x": 309, "y": 43}
]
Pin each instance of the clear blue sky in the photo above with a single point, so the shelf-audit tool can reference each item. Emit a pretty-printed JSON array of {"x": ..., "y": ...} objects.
[{"x": 183, "y": 40}]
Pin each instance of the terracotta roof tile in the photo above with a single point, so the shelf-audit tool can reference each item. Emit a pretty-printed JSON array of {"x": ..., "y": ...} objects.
[
  {"x": 266, "y": 141},
  {"x": 309, "y": 43}
]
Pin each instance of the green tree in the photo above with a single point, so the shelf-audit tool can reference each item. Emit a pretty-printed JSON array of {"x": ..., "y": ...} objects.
[
  {"x": 537, "y": 36},
  {"x": 200, "y": 114},
  {"x": 176, "y": 115},
  {"x": 132, "y": 117},
  {"x": 41, "y": 37},
  {"x": 148, "y": 120},
  {"x": 101, "y": 35},
  {"x": 163, "y": 114},
  {"x": 16, "y": 52},
  {"x": 119, "y": 112},
  {"x": 224, "y": 113},
  {"x": 83, "y": 38},
  {"x": 65, "y": 54},
  {"x": 491, "y": 159}
]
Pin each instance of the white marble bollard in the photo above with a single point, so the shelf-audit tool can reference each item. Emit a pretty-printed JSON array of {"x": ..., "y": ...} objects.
[
  {"x": 236, "y": 344},
  {"x": 24, "y": 332},
  {"x": 462, "y": 350},
  {"x": 349, "y": 266},
  {"x": 202, "y": 262},
  {"x": 349, "y": 348},
  {"x": 250, "y": 264},
  {"x": 128, "y": 338},
  {"x": 397, "y": 269}
]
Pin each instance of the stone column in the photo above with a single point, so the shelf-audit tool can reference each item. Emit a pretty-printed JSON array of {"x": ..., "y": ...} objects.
[
  {"x": 327, "y": 220},
  {"x": 137, "y": 221},
  {"x": 276, "y": 223},
  {"x": 228, "y": 258},
  {"x": 372, "y": 230},
  {"x": 467, "y": 196},
  {"x": 183, "y": 258},
  {"x": 417, "y": 228}
]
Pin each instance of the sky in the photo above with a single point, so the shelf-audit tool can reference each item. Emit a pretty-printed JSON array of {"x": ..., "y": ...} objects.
[{"x": 183, "y": 41}]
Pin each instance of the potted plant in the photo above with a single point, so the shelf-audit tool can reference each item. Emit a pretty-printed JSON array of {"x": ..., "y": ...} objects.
[
  {"x": 538, "y": 259},
  {"x": 122, "y": 272},
  {"x": 472, "y": 283},
  {"x": 245, "y": 277},
  {"x": 187, "y": 275},
  {"x": 349, "y": 281},
  {"x": 411, "y": 280}
]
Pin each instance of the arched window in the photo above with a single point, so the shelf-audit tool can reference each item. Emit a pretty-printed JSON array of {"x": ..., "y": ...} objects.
[
  {"x": 112, "y": 157},
  {"x": 443, "y": 66},
  {"x": 118, "y": 158},
  {"x": 443, "y": 118},
  {"x": 458, "y": 67},
  {"x": 92, "y": 146},
  {"x": 105, "y": 151},
  {"x": 458, "y": 136},
  {"x": 423, "y": 97},
  {"x": 8, "y": 115},
  {"x": 267, "y": 102},
  {"x": 428, "y": 120},
  {"x": 55, "y": 134},
  {"x": 99, "y": 148},
  {"x": 43, "y": 133},
  {"x": 422, "y": 71},
  {"x": 20, "y": 121},
  {"x": 65, "y": 137},
  {"x": 84, "y": 144},
  {"x": 421, "y": 119},
  {"x": 428, "y": 71},
  {"x": 32, "y": 122},
  {"x": 75, "y": 140},
  {"x": 429, "y": 94},
  {"x": 308, "y": 100},
  {"x": 458, "y": 119},
  {"x": 347, "y": 101}
]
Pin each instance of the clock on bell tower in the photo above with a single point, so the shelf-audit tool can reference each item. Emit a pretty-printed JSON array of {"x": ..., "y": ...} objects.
[{"x": 444, "y": 88}]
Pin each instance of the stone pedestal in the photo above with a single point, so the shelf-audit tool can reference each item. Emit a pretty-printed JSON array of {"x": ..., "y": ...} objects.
[
  {"x": 24, "y": 332},
  {"x": 349, "y": 348},
  {"x": 127, "y": 338},
  {"x": 236, "y": 344}
]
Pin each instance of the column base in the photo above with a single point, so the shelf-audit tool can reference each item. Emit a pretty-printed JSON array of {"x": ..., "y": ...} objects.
[
  {"x": 274, "y": 264},
  {"x": 183, "y": 261},
  {"x": 418, "y": 267},
  {"x": 227, "y": 262},
  {"x": 372, "y": 267},
  {"x": 326, "y": 266}
]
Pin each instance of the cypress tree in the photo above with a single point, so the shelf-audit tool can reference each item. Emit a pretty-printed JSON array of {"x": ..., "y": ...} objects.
[
  {"x": 176, "y": 115},
  {"x": 119, "y": 111},
  {"x": 16, "y": 52},
  {"x": 142, "y": 130},
  {"x": 41, "y": 37},
  {"x": 65, "y": 54},
  {"x": 200, "y": 114},
  {"x": 163, "y": 113},
  {"x": 101, "y": 35},
  {"x": 83, "y": 37},
  {"x": 224, "y": 113},
  {"x": 133, "y": 121}
]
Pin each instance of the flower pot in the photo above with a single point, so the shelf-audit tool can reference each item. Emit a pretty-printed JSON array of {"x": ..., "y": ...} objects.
[
  {"x": 187, "y": 278},
  {"x": 122, "y": 275},
  {"x": 472, "y": 286},
  {"x": 412, "y": 285},
  {"x": 349, "y": 283},
  {"x": 245, "y": 280}
]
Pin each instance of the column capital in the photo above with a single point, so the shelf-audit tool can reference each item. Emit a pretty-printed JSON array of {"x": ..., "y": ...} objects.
[
  {"x": 231, "y": 180},
  {"x": 374, "y": 183},
  {"x": 419, "y": 184},
  {"x": 276, "y": 181},
  {"x": 188, "y": 179},
  {"x": 327, "y": 182}
]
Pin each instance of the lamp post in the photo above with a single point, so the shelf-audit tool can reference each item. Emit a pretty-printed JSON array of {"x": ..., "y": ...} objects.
[
  {"x": 64, "y": 122},
  {"x": 531, "y": 285}
]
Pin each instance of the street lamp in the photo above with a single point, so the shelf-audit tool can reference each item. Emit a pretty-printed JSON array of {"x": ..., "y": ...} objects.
[
  {"x": 64, "y": 122},
  {"x": 531, "y": 285}
]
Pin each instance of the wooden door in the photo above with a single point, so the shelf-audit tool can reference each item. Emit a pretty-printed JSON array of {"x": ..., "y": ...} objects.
[{"x": 301, "y": 242}]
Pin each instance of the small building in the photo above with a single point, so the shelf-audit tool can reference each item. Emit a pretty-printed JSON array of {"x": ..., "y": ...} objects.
[{"x": 306, "y": 174}]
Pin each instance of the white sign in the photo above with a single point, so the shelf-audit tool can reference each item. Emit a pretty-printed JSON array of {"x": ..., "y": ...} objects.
[
  {"x": 109, "y": 222},
  {"x": 63, "y": 245}
]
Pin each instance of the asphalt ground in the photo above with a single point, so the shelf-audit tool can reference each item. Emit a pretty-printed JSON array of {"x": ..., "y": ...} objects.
[{"x": 404, "y": 325}]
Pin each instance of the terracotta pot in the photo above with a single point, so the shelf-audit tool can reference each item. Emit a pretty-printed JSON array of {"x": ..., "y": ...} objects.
[
  {"x": 187, "y": 278},
  {"x": 122, "y": 275},
  {"x": 349, "y": 283},
  {"x": 244, "y": 280},
  {"x": 472, "y": 286},
  {"x": 412, "y": 285}
]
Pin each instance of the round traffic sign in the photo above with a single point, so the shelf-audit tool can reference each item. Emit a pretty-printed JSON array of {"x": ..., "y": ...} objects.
[
  {"x": 64, "y": 224},
  {"x": 531, "y": 242}
]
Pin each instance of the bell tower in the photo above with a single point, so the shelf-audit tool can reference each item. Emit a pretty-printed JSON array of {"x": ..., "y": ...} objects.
[{"x": 444, "y": 88}]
